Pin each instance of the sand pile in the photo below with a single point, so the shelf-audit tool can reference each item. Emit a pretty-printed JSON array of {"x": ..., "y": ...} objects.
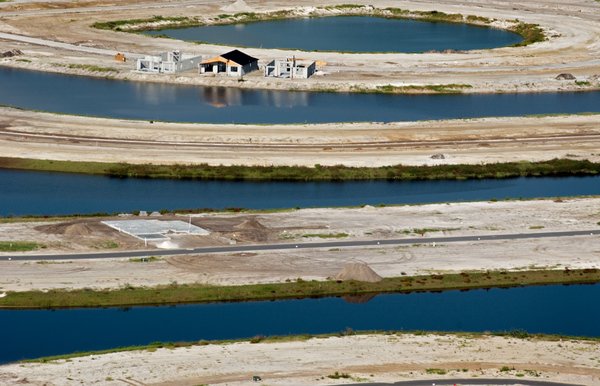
[
  {"x": 238, "y": 6},
  {"x": 358, "y": 272},
  {"x": 167, "y": 244},
  {"x": 250, "y": 224}
]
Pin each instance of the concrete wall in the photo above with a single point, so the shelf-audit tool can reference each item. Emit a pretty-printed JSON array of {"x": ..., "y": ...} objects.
[
  {"x": 287, "y": 69},
  {"x": 168, "y": 62}
]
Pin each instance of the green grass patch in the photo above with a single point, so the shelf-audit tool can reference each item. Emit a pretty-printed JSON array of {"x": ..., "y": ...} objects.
[
  {"x": 423, "y": 231},
  {"x": 149, "y": 259},
  {"x": 119, "y": 25},
  {"x": 555, "y": 168},
  {"x": 19, "y": 246},
  {"x": 436, "y": 371},
  {"x": 338, "y": 375},
  {"x": 452, "y": 88},
  {"x": 106, "y": 244},
  {"x": 197, "y": 293},
  {"x": 531, "y": 33},
  {"x": 326, "y": 235},
  {"x": 436, "y": 16},
  {"x": 582, "y": 83},
  {"x": 91, "y": 68}
]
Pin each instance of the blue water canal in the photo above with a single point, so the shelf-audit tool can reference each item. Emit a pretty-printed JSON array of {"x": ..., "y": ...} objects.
[
  {"x": 39, "y": 193},
  {"x": 348, "y": 34},
  {"x": 549, "y": 309},
  {"x": 178, "y": 103}
]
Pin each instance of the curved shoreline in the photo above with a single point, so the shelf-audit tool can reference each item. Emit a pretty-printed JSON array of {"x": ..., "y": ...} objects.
[{"x": 530, "y": 33}]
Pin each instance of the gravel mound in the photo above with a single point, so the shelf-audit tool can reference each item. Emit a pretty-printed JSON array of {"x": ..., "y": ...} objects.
[{"x": 358, "y": 272}]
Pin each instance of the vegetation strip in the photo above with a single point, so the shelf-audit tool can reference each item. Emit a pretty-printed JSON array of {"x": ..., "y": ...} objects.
[
  {"x": 555, "y": 167},
  {"x": 19, "y": 246},
  {"x": 516, "y": 334},
  {"x": 199, "y": 293},
  {"x": 531, "y": 33}
]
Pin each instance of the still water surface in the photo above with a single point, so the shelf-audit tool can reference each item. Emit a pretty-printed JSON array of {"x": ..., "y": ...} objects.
[
  {"x": 348, "y": 34},
  {"x": 547, "y": 309},
  {"x": 178, "y": 103},
  {"x": 40, "y": 193}
]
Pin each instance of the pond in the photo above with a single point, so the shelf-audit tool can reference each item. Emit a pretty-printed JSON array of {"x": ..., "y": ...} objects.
[{"x": 349, "y": 34}]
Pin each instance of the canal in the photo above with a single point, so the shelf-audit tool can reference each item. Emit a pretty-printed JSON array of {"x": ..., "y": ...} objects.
[
  {"x": 184, "y": 103},
  {"x": 42, "y": 193},
  {"x": 552, "y": 309}
]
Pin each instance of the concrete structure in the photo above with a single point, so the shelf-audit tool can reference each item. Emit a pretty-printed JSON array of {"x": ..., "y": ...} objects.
[
  {"x": 290, "y": 68},
  {"x": 233, "y": 63},
  {"x": 155, "y": 230},
  {"x": 168, "y": 62}
]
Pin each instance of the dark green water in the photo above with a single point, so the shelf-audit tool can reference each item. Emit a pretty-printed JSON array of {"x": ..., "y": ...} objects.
[{"x": 349, "y": 34}]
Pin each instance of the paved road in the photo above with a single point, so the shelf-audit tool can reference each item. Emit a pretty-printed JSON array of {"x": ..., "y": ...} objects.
[
  {"x": 467, "y": 382},
  {"x": 293, "y": 246}
]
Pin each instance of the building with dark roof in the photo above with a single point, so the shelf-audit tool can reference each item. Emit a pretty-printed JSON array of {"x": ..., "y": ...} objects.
[{"x": 233, "y": 63}]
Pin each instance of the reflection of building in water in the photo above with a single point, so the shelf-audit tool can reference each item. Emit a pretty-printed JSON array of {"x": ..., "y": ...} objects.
[
  {"x": 233, "y": 63},
  {"x": 233, "y": 96},
  {"x": 222, "y": 96},
  {"x": 287, "y": 98},
  {"x": 291, "y": 68},
  {"x": 168, "y": 62},
  {"x": 154, "y": 93}
]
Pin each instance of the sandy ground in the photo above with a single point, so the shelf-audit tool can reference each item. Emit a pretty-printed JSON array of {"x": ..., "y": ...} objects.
[
  {"x": 454, "y": 219},
  {"x": 573, "y": 28},
  {"x": 383, "y": 358},
  {"x": 26, "y": 134}
]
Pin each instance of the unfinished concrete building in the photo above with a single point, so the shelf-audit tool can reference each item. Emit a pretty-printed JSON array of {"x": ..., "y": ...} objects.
[
  {"x": 168, "y": 62},
  {"x": 290, "y": 68},
  {"x": 232, "y": 63}
]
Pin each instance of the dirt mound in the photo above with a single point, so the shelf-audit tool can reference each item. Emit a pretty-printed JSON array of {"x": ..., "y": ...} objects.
[
  {"x": 358, "y": 272},
  {"x": 250, "y": 224},
  {"x": 67, "y": 229},
  {"x": 565, "y": 76},
  {"x": 10, "y": 54},
  {"x": 238, "y": 6}
]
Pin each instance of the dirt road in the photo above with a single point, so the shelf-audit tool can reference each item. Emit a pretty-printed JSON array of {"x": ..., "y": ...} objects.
[{"x": 50, "y": 136}]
